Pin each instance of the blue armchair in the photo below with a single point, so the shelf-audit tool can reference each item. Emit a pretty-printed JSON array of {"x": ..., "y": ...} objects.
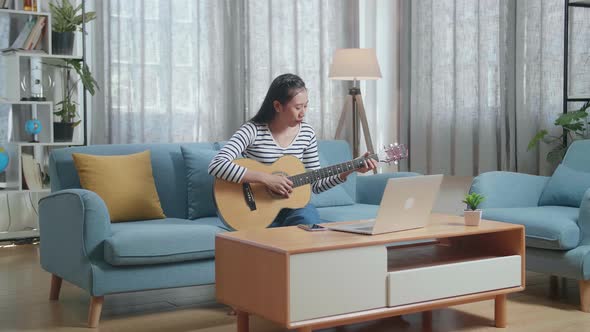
[{"x": 557, "y": 231}]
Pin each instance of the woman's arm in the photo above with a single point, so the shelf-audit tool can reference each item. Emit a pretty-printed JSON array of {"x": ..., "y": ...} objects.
[{"x": 222, "y": 165}]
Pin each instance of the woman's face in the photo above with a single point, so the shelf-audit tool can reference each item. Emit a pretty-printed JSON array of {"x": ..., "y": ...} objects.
[{"x": 294, "y": 110}]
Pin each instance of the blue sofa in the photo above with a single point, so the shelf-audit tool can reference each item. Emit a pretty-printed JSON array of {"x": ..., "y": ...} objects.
[
  {"x": 557, "y": 231},
  {"x": 79, "y": 244}
]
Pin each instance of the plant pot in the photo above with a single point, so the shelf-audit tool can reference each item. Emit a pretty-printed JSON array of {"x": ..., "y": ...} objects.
[
  {"x": 63, "y": 131},
  {"x": 472, "y": 218},
  {"x": 62, "y": 43}
]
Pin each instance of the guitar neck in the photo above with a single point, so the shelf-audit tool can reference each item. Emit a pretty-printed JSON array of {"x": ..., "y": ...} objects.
[{"x": 322, "y": 173}]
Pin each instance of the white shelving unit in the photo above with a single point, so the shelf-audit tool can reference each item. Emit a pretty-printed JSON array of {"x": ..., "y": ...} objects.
[{"x": 14, "y": 66}]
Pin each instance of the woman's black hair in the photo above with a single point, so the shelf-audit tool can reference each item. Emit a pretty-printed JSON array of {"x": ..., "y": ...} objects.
[{"x": 282, "y": 89}]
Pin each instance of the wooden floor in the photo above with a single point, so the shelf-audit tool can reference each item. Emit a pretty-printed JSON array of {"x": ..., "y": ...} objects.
[{"x": 24, "y": 306}]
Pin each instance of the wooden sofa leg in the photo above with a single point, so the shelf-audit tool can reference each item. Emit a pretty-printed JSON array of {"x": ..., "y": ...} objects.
[
  {"x": 584, "y": 295},
  {"x": 55, "y": 288},
  {"x": 554, "y": 287},
  {"x": 94, "y": 310}
]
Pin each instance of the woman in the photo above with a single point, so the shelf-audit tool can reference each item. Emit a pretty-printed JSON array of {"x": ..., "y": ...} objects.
[{"x": 278, "y": 129}]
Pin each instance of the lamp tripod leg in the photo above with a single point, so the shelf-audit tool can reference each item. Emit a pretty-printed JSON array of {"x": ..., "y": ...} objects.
[
  {"x": 345, "y": 109},
  {"x": 363, "y": 118}
]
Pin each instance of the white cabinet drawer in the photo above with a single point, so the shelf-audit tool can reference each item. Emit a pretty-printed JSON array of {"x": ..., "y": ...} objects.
[
  {"x": 432, "y": 282},
  {"x": 335, "y": 282}
]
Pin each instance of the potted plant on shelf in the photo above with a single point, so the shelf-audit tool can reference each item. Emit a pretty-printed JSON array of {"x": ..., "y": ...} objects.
[
  {"x": 472, "y": 214},
  {"x": 66, "y": 20},
  {"x": 63, "y": 130}
]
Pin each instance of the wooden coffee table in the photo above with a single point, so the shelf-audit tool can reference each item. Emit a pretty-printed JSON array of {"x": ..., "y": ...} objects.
[{"x": 311, "y": 280}]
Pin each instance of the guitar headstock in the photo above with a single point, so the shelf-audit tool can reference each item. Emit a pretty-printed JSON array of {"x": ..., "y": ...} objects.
[{"x": 393, "y": 153}]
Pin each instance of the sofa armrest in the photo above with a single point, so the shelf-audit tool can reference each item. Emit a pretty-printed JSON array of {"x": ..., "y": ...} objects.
[
  {"x": 73, "y": 225},
  {"x": 509, "y": 189},
  {"x": 584, "y": 219},
  {"x": 370, "y": 188}
]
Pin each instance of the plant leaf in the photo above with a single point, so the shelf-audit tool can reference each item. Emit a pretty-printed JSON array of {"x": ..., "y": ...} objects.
[
  {"x": 538, "y": 137},
  {"x": 570, "y": 117}
]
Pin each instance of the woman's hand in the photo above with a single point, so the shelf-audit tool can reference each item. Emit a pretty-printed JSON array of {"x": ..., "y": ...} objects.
[
  {"x": 369, "y": 164},
  {"x": 278, "y": 184}
]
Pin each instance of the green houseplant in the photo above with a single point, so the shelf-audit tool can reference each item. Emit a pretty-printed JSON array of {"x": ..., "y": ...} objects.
[
  {"x": 574, "y": 125},
  {"x": 66, "y": 19},
  {"x": 472, "y": 214},
  {"x": 66, "y": 109}
]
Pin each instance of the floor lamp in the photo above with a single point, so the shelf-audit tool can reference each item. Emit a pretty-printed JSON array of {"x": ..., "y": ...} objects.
[{"x": 355, "y": 64}]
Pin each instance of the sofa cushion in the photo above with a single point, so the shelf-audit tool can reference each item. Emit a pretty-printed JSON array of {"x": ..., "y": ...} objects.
[
  {"x": 348, "y": 212},
  {"x": 162, "y": 241},
  {"x": 125, "y": 183},
  {"x": 332, "y": 153},
  {"x": 199, "y": 182},
  {"x": 566, "y": 187},
  {"x": 546, "y": 227}
]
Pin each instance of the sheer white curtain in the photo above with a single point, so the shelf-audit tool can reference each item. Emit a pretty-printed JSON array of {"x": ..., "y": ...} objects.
[
  {"x": 484, "y": 77},
  {"x": 379, "y": 28},
  {"x": 195, "y": 70}
]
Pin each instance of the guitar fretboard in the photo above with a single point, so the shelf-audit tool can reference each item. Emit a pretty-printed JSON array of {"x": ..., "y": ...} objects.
[{"x": 318, "y": 174}]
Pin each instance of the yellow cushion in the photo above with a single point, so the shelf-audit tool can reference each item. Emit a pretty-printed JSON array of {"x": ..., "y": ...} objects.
[{"x": 125, "y": 183}]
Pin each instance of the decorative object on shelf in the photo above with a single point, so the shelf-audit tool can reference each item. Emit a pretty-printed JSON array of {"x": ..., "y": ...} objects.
[
  {"x": 36, "y": 79},
  {"x": 354, "y": 64},
  {"x": 35, "y": 85},
  {"x": 472, "y": 214},
  {"x": 4, "y": 159},
  {"x": 30, "y": 5},
  {"x": 33, "y": 127},
  {"x": 63, "y": 131},
  {"x": 574, "y": 125},
  {"x": 66, "y": 20}
]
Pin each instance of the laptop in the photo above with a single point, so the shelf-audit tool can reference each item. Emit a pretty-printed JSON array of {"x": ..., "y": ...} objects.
[{"x": 406, "y": 204}]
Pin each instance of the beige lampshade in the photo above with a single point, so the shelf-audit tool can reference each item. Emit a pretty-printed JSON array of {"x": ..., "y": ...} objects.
[{"x": 355, "y": 64}]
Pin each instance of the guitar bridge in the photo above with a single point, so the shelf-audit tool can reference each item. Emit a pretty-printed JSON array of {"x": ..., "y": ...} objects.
[{"x": 249, "y": 196}]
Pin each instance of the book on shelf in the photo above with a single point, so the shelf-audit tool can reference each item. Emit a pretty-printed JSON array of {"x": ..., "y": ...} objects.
[
  {"x": 24, "y": 34},
  {"x": 33, "y": 179},
  {"x": 36, "y": 34},
  {"x": 30, "y": 36}
]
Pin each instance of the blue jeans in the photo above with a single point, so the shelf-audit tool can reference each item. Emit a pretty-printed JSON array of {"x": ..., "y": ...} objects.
[{"x": 291, "y": 217}]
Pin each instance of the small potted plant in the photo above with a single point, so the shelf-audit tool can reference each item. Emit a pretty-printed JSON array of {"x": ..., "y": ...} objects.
[
  {"x": 472, "y": 214},
  {"x": 66, "y": 19},
  {"x": 63, "y": 130}
]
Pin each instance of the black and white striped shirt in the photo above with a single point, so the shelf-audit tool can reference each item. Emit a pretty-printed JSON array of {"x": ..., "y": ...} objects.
[{"x": 255, "y": 141}]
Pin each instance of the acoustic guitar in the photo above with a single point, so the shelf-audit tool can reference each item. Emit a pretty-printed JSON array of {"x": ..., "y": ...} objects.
[{"x": 245, "y": 206}]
